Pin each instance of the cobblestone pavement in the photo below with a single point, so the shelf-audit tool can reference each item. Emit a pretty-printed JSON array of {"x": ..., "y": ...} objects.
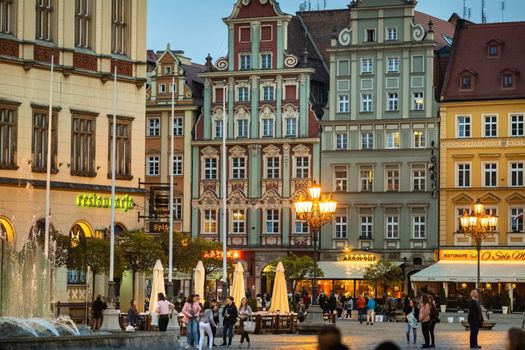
[{"x": 363, "y": 337}]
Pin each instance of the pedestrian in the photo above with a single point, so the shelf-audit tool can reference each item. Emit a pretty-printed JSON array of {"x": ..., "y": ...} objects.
[
  {"x": 349, "y": 306},
  {"x": 229, "y": 315},
  {"x": 323, "y": 302},
  {"x": 330, "y": 338},
  {"x": 132, "y": 314},
  {"x": 370, "y": 310},
  {"x": 515, "y": 339},
  {"x": 259, "y": 301},
  {"x": 163, "y": 310},
  {"x": 424, "y": 318},
  {"x": 97, "y": 309},
  {"x": 434, "y": 319},
  {"x": 190, "y": 312},
  {"x": 206, "y": 321},
  {"x": 301, "y": 310},
  {"x": 412, "y": 314},
  {"x": 332, "y": 303},
  {"x": 340, "y": 305},
  {"x": 361, "y": 308},
  {"x": 245, "y": 313},
  {"x": 475, "y": 318},
  {"x": 216, "y": 317}
]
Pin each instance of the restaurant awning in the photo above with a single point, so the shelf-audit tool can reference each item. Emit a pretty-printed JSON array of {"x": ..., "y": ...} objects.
[
  {"x": 346, "y": 270},
  {"x": 466, "y": 271}
]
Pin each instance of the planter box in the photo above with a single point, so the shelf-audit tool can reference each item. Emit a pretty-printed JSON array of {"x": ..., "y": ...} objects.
[
  {"x": 505, "y": 310},
  {"x": 443, "y": 308}
]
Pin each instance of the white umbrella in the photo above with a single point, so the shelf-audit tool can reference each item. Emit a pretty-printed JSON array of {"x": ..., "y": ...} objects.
[
  {"x": 238, "y": 290},
  {"x": 157, "y": 285},
  {"x": 198, "y": 280},
  {"x": 279, "y": 295}
]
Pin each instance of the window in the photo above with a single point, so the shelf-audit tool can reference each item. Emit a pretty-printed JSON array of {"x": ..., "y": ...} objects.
[
  {"x": 244, "y": 34},
  {"x": 123, "y": 149},
  {"x": 507, "y": 80},
  {"x": 210, "y": 222},
  {"x": 177, "y": 165},
  {"x": 268, "y": 93},
  {"x": 392, "y": 139},
  {"x": 493, "y": 50},
  {"x": 83, "y": 145},
  {"x": 466, "y": 82},
  {"x": 153, "y": 126},
  {"x": 490, "y": 125},
  {"x": 393, "y": 101},
  {"x": 516, "y": 219},
  {"x": 8, "y": 137},
  {"x": 238, "y": 168},
  {"x": 82, "y": 23},
  {"x": 392, "y": 226},
  {"x": 340, "y": 227},
  {"x": 341, "y": 141},
  {"x": 463, "y": 126},
  {"x": 40, "y": 141},
  {"x": 367, "y": 65},
  {"x": 162, "y": 88},
  {"x": 266, "y": 61},
  {"x": 242, "y": 128},
  {"x": 366, "y": 174},
  {"x": 490, "y": 174},
  {"x": 290, "y": 126},
  {"x": 302, "y": 167},
  {"x": 245, "y": 62},
  {"x": 6, "y": 16},
  {"x": 366, "y": 103},
  {"x": 391, "y": 34},
  {"x": 516, "y": 125},
  {"x": 367, "y": 140},
  {"x": 366, "y": 227},
  {"x": 419, "y": 139},
  {"x": 210, "y": 168},
  {"x": 341, "y": 179},
  {"x": 76, "y": 277},
  {"x": 177, "y": 208},
  {"x": 167, "y": 70},
  {"x": 393, "y": 64},
  {"x": 44, "y": 20},
  {"x": 272, "y": 168},
  {"x": 460, "y": 212},
  {"x": 173, "y": 87},
  {"x": 344, "y": 104},
  {"x": 177, "y": 127},
  {"x": 516, "y": 174},
  {"x": 272, "y": 221},
  {"x": 463, "y": 174},
  {"x": 419, "y": 178},
  {"x": 418, "y": 226},
  {"x": 153, "y": 166},
  {"x": 267, "y": 128},
  {"x": 392, "y": 179},
  {"x": 119, "y": 26},
  {"x": 301, "y": 227},
  {"x": 417, "y": 101},
  {"x": 218, "y": 128},
  {"x": 370, "y": 35},
  {"x": 243, "y": 94},
  {"x": 238, "y": 221}
]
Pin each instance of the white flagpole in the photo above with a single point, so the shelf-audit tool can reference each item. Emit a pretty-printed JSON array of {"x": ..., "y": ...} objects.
[
  {"x": 49, "y": 153},
  {"x": 171, "y": 162},
  {"x": 113, "y": 170},
  {"x": 224, "y": 190}
]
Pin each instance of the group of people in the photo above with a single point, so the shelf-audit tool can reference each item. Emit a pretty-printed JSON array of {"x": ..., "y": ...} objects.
[{"x": 425, "y": 312}]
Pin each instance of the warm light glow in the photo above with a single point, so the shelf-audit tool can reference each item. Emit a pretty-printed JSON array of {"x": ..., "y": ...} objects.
[
  {"x": 327, "y": 207},
  {"x": 472, "y": 220},
  {"x": 485, "y": 222},
  {"x": 315, "y": 191},
  {"x": 478, "y": 208},
  {"x": 493, "y": 221},
  {"x": 463, "y": 285},
  {"x": 464, "y": 220},
  {"x": 302, "y": 207}
]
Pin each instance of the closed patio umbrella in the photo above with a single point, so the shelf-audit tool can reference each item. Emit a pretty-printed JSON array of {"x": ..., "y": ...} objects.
[
  {"x": 279, "y": 293},
  {"x": 238, "y": 290},
  {"x": 198, "y": 280},
  {"x": 157, "y": 285}
]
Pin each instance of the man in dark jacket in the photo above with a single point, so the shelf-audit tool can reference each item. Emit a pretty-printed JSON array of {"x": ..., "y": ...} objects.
[
  {"x": 229, "y": 314},
  {"x": 323, "y": 302},
  {"x": 332, "y": 303},
  {"x": 475, "y": 318},
  {"x": 98, "y": 307}
]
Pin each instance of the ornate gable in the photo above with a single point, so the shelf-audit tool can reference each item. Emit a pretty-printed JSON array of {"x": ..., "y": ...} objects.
[
  {"x": 254, "y": 9},
  {"x": 208, "y": 200},
  {"x": 271, "y": 151},
  {"x": 271, "y": 199},
  {"x": 462, "y": 199},
  {"x": 237, "y": 151},
  {"x": 237, "y": 200},
  {"x": 241, "y": 112},
  {"x": 301, "y": 150},
  {"x": 210, "y": 151},
  {"x": 489, "y": 198},
  {"x": 516, "y": 198}
]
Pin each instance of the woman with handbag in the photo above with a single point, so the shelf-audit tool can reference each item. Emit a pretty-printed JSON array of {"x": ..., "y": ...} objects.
[
  {"x": 245, "y": 312},
  {"x": 412, "y": 314}
]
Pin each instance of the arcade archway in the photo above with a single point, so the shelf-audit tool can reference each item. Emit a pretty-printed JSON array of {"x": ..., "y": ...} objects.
[{"x": 7, "y": 230}]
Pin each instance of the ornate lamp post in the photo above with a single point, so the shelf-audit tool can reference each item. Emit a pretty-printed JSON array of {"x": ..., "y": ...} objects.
[
  {"x": 316, "y": 210},
  {"x": 478, "y": 225}
]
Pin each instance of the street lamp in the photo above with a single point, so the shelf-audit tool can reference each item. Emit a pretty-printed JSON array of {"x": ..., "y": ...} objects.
[
  {"x": 478, "y": 225},
  {"x": 315, "y": 210}
]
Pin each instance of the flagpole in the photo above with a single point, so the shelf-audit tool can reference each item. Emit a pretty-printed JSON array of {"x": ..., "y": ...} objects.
[
  {"x": 49, "y": 154},
  {"x": 171, "y": 162},
  {"x": 224, "y": 190},
  {"x": 113, "y": 182}
]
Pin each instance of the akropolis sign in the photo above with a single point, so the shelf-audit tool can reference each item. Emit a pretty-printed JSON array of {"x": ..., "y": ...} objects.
[
  {"x": 486, "y": 254},
  {"x": 94, "y": 200}
]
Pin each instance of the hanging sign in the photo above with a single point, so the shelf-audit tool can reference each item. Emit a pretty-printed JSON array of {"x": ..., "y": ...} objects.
[
  {"x": 486, "y": 254},
  {"x": 94, "y": 200}
]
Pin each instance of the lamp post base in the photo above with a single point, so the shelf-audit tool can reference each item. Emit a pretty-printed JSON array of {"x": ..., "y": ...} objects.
[{"x": 314, "y": 321}]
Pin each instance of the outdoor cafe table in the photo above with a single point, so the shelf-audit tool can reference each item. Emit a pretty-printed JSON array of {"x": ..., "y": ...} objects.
[{"x": 266, "y": 322}]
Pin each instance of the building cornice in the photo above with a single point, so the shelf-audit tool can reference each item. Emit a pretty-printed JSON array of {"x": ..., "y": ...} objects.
[{"x": 257, "y": 72}]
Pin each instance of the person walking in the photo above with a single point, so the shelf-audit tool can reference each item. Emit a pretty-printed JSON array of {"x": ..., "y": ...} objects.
[
  {"x": 412, "y": 315},
  {"x": 349, "y": 306},
  {"x": 216, "y": 317},
  {"x": 434, "y": 319},
  {"x": 370, "y": 311},
  {"x": 206, "y": 321},
  {"x": 424, "y": 318},
  {"x": 474, "y": 318},
  {"x": 190, "y": 312},
  {"x": 163, "y": 310},
  {"x": 97, "y": 309},
  {"x": 245, "y": 312},
  {"x": 229, "y": 315},
  {"x": 361, "y": 308}
]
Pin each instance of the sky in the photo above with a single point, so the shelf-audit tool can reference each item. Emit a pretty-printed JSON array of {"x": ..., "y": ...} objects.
[{"x": 196, "y": 27}]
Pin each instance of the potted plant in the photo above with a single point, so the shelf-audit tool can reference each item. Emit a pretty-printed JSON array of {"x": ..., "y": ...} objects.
[
  {"x": 505, "y": 303},
  {"x": 442, "y": 300}
]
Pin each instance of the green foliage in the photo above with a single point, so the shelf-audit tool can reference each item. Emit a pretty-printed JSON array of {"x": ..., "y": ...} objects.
[
  {"x": 185, "y": 253},
  {"x": 442, "y": 297},
  {"x": 253, "y": 304},
  {"x": 384, "y": 273},
  {"x": 295, "y": 268},
  {"x": 139, "y": 251}
]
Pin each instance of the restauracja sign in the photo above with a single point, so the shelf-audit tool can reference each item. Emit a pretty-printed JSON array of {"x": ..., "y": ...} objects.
[
  {"x": 486, "y": 255},
  {"x": 94, "y": 200}
]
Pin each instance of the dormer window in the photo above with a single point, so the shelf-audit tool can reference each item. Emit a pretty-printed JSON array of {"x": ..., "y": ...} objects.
[
  {"x": 494, "y": 47},
  {"x": 508, "y": 81},
  {"x": 168, "y": 70},
  {"x": 508, "y": 78},
  {"x": 466, "y": 81},
  {"x": 493, "y": 50}
]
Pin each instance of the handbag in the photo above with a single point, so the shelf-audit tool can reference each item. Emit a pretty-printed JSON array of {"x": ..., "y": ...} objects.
[
  {"x": 154, "y": 319},
  {"x": 248, "y": 326}
]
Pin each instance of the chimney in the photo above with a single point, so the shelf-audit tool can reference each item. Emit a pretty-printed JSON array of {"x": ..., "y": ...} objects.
[{"x": 304, "y": 62}]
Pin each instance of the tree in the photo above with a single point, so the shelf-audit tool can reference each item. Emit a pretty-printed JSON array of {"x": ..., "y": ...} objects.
[
  {"x": 296, "y": 268},
  {"x": 210, "y": 253},
  {"x": 384, "y": 273},
  {"x": 185, "y": 252}
]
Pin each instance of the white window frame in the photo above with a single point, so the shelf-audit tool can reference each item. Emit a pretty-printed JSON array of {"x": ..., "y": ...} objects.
[
  {"x": 245, "y": 61},
  {"x": 341, "y": 140},
  {"x": 420, "y": 178},
  {"x": 519, "y": 169},
  {"x": 208, "y": 170},
  {"x": 177, "y": 208},
  {"x": 395, "y": 180},
  {"x": 263, "y": 127},
  {"x": 392, "y": 64},
  {"x": 263, "y": 66},
  {"x": 162, "y": 88},
  {"x": 302, "y": 225},
  {"x": 490, "y": 123},
  {"x": 238, "y": 170},
  {"x": 369, "y": 139},
  {"x": 272, "y": 169},
  {"x": 366, "y": 183},
  {"x": 301, "y": 169},
  {"x": 341, "y": 227},
  {"x": 343, "y": 103},
  {"x": 367, "y": 68},
  {"x": 238, "y": 221},
  {"x": 464, "y": 170},
  {"x": 178, "y": 165},
  {"x": 465, "y": 125},
  {"x": 242, "y": 132},
  {"x": 154, "y": 130},
  {"x": 178, "y": 126},
  {"x": 486, "y": 172},
  {"x": 520, "y": 131},
  {"x": 286, "y": 130},
  {"x": 340, "y": 183},
  {"x": 419, "y": 139},
  {"x": 392, "y": 226},
  {"x": 374, "y": 32},
  {"x": 418, "y": 96},
  {"x": 512, "y": 219},
  {"x": 153, "y": 165},
  {"x": 266, "y": 93},
  {"x": 218, "y": 124},
  {"x": 419, "y": 226},
  {"x": 393, "y": 101},
  {"x": 391, "y": 139},
  {"x": 390, "y": 30},
  {"x": 273, "y": 220},
  {"x": 366, "y": 226},
  {"x": 243, "y": 97},
  {"x": 367, "y": 103},
  {"x": 209, "y": 220}
]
